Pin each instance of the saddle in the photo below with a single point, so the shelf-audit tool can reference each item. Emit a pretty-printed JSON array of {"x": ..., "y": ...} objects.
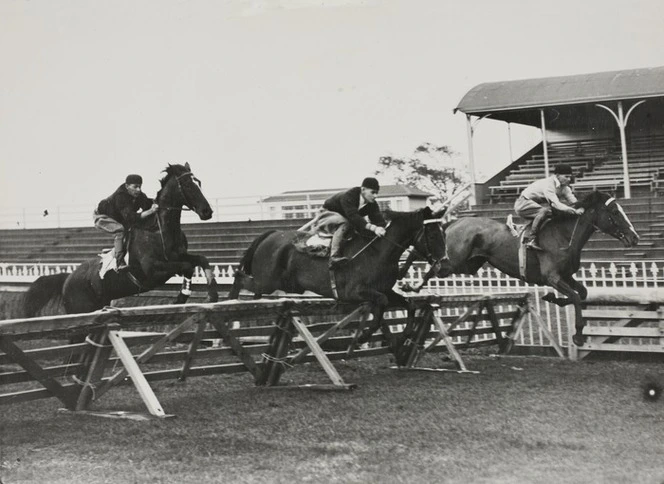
[{"x": 315, "y": 245}]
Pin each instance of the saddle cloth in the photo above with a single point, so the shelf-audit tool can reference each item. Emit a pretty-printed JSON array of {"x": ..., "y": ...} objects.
[
  {"x": 520, "y": 231},
  {"x": 108, "y": 262}
]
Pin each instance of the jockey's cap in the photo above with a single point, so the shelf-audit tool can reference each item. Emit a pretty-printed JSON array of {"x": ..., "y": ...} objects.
[
  {"x": 563, "y": 169},
  {"x": 371, "y": 183},
  {"x": 134, "y": 180}
]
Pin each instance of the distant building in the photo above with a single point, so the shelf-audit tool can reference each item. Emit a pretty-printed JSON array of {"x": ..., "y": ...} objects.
[{"x": 306, "y": 203}]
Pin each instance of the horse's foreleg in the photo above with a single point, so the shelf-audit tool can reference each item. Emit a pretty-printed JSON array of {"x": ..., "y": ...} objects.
[
  {"x": 180, "y": 267},
  {"x": 566, "y": 288},
  {"x": 579, "y": 288},
  {"x": 202, "y": 262}
]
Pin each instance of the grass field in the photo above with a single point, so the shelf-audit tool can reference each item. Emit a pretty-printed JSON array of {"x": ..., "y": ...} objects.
[{"x": 521, "y": 420}]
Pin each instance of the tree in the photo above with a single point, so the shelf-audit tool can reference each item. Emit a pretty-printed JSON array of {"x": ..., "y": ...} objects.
[{"x": 435, "y": 169}]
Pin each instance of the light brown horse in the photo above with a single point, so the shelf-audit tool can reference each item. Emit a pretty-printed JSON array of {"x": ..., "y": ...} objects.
[{"x": 473, "y": 241}]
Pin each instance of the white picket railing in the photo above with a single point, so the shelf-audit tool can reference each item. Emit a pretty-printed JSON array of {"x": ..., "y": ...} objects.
[{"x": 599, "y": 274}]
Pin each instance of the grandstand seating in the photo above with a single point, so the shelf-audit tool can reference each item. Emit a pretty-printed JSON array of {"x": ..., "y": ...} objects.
[
  {"x": 221, "y": 242},
  {"x": 597, "y": 164}
]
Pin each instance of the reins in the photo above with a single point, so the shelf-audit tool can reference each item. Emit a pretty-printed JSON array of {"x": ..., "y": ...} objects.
[{"x": 186, "y": 202}]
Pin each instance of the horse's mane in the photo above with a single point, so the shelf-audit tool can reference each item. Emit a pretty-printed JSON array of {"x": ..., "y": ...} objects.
[
  {"x": 170, "y": 170},
  {"x": 593, "y": 198},
  {"x": 394, "y": 215}
]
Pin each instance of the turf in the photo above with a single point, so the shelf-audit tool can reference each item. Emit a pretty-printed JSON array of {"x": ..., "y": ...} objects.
[{"x": 521, "y": 420}]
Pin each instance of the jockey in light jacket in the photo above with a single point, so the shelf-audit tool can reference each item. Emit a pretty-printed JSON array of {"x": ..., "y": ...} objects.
[{"x": 539, "y": 198}]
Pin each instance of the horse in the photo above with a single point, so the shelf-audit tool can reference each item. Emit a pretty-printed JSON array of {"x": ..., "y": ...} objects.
[
  {"x": 272, "y": 262},
  {"x": 157, "y": 250},
  {"x": 473, "y": 241}
]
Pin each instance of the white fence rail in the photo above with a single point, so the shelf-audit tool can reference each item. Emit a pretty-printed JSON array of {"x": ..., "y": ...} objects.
[{"x": 601, "y": 274}]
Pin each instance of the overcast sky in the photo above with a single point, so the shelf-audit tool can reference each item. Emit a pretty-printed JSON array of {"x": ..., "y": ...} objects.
[{"x": 262, "y": 96}]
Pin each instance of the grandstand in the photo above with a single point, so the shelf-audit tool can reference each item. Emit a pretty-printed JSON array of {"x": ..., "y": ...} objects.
[
  {"x": 576, "y": 129},
  {"x": 621, "y": 151}
]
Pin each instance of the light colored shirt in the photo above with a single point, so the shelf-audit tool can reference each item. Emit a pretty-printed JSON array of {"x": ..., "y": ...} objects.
[{"x": 550, "y": 190}]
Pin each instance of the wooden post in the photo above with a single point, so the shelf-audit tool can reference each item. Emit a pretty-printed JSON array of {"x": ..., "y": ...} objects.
[
  {"x": 94, "y": 371},
  {"x": 191, "y": 351}
]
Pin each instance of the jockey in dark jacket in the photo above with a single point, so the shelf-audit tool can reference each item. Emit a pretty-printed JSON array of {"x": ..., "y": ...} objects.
[
  {"x": 118, "y": 212},
  {"x": 353, "y": 205}
]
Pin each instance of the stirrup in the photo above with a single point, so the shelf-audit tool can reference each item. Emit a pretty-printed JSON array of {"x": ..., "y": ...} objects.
[{"x": 533, "y": 245}]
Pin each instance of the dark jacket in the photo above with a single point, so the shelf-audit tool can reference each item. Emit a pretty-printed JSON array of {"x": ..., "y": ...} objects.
[
  {"x": 122, "y": 207},
  {"x": 347, "y": 203}
]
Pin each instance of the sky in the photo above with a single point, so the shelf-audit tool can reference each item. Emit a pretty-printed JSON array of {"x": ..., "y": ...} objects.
[{"x": 264, "y": 96}]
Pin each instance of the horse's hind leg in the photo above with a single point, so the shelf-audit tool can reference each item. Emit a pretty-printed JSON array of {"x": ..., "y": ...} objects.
[
  {"x": 242, "y": 281},
  {"x": 566, "y": 288}
]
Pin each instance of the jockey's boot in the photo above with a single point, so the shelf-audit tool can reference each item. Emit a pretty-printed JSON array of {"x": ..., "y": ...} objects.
[
  {"x": 534, "y": 231},
  {"x": 335, "y": 247},
  {"x": 118, "y": 249}
]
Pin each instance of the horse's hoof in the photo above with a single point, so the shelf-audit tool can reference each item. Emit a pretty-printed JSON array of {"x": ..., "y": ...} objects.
[
  {"x": 212, "y": 298},
  {"x": 578, "y": 340},
  {"x": 549, "y": 297}
]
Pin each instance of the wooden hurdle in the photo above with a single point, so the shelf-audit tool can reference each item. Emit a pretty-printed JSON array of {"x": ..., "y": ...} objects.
[
  {"x": 623, "y": 320},
  {"x": 272, "y": 336}
]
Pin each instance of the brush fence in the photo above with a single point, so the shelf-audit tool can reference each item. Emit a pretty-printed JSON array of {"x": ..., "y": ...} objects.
[{"x": 39, "y": 358}]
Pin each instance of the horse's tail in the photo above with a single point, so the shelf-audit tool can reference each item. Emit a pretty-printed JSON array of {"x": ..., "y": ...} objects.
[
  {"x": 43, "y": 291},
  {"x": 247, "y": 258}
]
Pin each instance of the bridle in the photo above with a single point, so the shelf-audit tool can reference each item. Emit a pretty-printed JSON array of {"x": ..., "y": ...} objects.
[
  {"x": 620, "y": 233},
  {"x": 183, "y": 193},
  {"x": 186, "y": 202}
]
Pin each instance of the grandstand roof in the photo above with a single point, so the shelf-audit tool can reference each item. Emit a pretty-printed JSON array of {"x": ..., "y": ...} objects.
[{"x": 505, "y": 100}]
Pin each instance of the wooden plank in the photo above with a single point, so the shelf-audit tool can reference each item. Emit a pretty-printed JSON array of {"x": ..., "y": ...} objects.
[
  {"x": 191, "y": 351},
  {"x": 626, "y": 332},
  {"x": 52, "y": 352},
  {"x": 150, "y": 352},
  {"x": 609, "y": 314},
  {"x": 34, "y": 394},
  {"x": 329, "y": 369},
  {"x": 141, "y": 384},
  {"x": 240, "y": 352},
  {"x": 65, "y": 395},
  {"x": 621, "y": 347},
  {"x": 57, "y": 371},
  {"x": 538, "y": 320},
  {"x": 326, "y": 335},
  {"x": 96, "y": 368}
]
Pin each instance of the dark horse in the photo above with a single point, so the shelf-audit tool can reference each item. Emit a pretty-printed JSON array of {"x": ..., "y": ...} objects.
[
  {"x": 472, "y": 241},
  {"x": 273, "y": 263},
  {"x": 157, "y": 251}
]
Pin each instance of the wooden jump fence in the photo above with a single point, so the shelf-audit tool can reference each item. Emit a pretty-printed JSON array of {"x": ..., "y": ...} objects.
[{"x": 262, "y": 337}]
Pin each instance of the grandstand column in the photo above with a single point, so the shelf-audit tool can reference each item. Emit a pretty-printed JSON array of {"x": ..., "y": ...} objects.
[
  {"x": 470, "y": 128},
  {"x": 622, "y": 119},
  {"x": 544, "y": 144},
  {"x": 509, "y": 140},
  {"x": 471, "y": 159}
]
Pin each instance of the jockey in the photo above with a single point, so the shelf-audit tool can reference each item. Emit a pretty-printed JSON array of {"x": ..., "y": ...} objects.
[
  {"x": 353, "y": 205},
  {"x": 118, "y": 213},
  {"x": 539, "y": 199}
]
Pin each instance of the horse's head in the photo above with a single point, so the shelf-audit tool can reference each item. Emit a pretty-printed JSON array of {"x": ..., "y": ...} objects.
[
  {"x": 430, "y": 241},
  {"x": 180, "y": 187},
  {"x": 610, "y": 218}
]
